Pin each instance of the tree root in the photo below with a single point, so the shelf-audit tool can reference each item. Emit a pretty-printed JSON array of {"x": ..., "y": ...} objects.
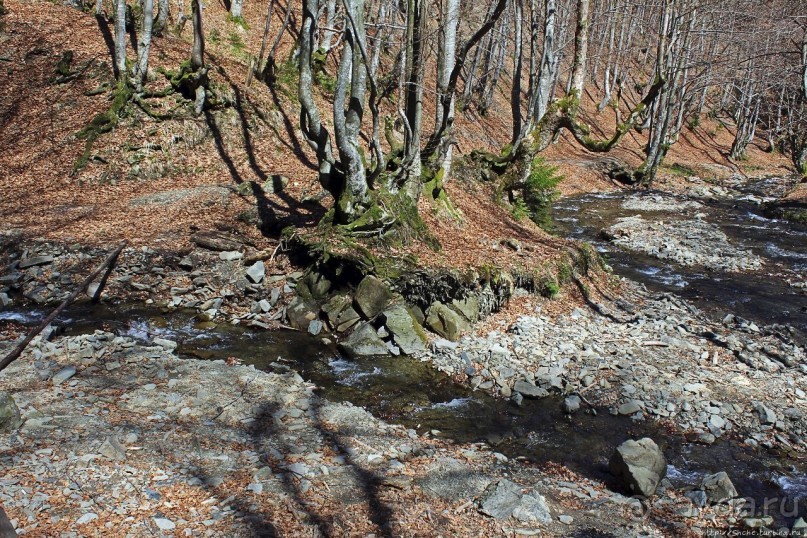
[{"x": 102, "y": 123}]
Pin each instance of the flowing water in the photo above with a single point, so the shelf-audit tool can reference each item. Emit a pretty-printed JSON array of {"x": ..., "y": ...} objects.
[
  {"x": 764, "y": 297},
  {"x": 409, "y": 392}
]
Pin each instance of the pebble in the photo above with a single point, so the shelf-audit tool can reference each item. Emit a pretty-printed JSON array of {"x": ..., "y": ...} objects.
[{"x": 63, "y": 375}]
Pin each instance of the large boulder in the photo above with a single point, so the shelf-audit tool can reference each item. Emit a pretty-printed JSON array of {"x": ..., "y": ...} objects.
[
  {"x": 445, "y": 321},
  {"x": 468, "y": 308},
  {"x": 10, "y": 418},
  {"x": 406, "y": 332},
  {"x": 640, "y": 466},
  {"x": 300, "y": 313},
  {"x": 362, "y": 342},
  {"x": 371, "y": 297}
]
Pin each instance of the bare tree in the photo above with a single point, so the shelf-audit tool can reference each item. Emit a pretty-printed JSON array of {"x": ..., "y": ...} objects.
[{"x": 140, "y": 69}]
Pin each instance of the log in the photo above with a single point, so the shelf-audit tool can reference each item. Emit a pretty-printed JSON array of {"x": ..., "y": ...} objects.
[
  {"x": 217, "y": 241},
  {"x": 14, "y": 355}
]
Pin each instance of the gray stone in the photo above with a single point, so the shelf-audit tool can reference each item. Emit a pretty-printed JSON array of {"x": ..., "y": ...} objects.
[
  {"x": 503, "y": 499},
  {"x": 566, "y": 520},
  {"x": 371, "y": 296},
  {"x": 113, "y": 450},
  {"x": 363, "y": 342},
  {"x": 186, "y": 263},
  {"x": 36, "y": 260},
  {"x": 571, "y": 404},
  {"x": 630, "y": 407},
  {"x": 445, "y": 321},
  {"x": 453, "y": 481},
  {"x": 264, "y": 305},
  {"x": 758, "y": 522},
  {"x": 718, "y": 488},
  {"x": 640, "y": 465},
  {"x": 800, "y": 527},
  {"x": 698, "y": 497},
  {"x": 276, "y": 183},
  {"x": 468, "y": 307},
  {"x": 10, "y": 418},
  {"x": 168, "y": 345},
  {"x": 766, "y": 414},
  {"x": 256, "y": 272},
  {"x": 63, "y": 375},
  {"x": 406, "y": 332},
  {"x": 347, "y": 319},
  {"x": 314, "y": 327},
  {"x": 300, "y": 313},
  {"x": 231, "y": 255},
  {"x": 529, "y": 390},
  {"x": 4, "y": 299},
  {"x": 164, "y": 524}
]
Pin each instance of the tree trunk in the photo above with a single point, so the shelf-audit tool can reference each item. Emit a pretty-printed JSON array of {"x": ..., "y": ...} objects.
[
  {"x": 413, "y": 103},
  {"x": 120, "y": 41},
  {"x": 143, "y": 46},
  {"x": 264, "y": 38},
  {"x": 161, "y": 23},
  {"x": 580, "y": 48},
  {"x": 236, "y": 8},
  {"x": 330, "y": 22},
  {"x": 447, "y": 49},
  {"x": 198, "y": 57}
]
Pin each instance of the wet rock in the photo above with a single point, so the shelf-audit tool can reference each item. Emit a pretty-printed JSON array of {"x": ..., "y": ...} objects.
[
  {"x": 503, "y": 499},
  {"x": 445, "y": 321},
  {"x": 571, "y": 404},
  {"x": 63, "y": 375},
  {"x": 629, "y": 408},
  {"x": 256, "y": 272},
  {"x": 4, "y": 299},
  {"x": 318, "y": 285},
  {"x": 718, "y": 488},
  {"x": 300, "y": 313},
  {"x": 529, "y": 390},
  {"x": 640, "y": 465},
  {"x": 364, "y": 341},
  {"x": 10, "y": 418},
  {"x": 314, "y": 327},
  {"x": 406, "y": 332},
  {"x": 168, "y": 345},
  {"x": 371, "y": 296}
]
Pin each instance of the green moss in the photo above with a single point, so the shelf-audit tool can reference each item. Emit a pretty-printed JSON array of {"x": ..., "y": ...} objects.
[
  {"x": 238, "y": 21},
  {"x": 103, "y": 123}
]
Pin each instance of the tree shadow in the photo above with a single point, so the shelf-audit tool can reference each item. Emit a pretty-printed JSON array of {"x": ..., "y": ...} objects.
[
  {"x": 103, "y": 25},
  {"x": 297, "y": 213}
]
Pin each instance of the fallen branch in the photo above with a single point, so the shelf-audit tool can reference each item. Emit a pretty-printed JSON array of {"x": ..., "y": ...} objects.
[{"x": 14, "y": 355}]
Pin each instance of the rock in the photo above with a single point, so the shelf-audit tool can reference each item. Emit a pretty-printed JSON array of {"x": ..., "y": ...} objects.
[
  {"x": 371, "y": 296},
  {"x": 10, "y": 418},
  {"x": 63, "y": 375},
  {"x": 640, "y": 465},
  {"x": 4, "y": 299},
  {"x": 453, "y": 480},
  {"x": 503, "y": 499},
  {"x": 264, "y": 305},
  {"x": 766, "y": 414},
  {"x": 216, "y": 241},
  {"x": 566, "y": 520},
  {"x": 347, "y": 319},
  {"x": 758, "y": 522},
  {"x": 230, "y": 255},
  {"x": 529, "y": 390},
  {"x": 164, "y": 524},
  {"x": 113, "y": 450},
  {"x": 276, "y": 183},
  {"x": 468, "y": 307},
  {"x": 256, "y": 272},
  {"x": 363, "y": 342},
  {"x": 168, "y": 345},
  {"x": 718, "y": 488},
  {"x": 36, "y": 260},
  {"x": 300, "y": 313},
  {"x": 629, "y": 408},
  {"x": 186, "y": 263},
  {"x": 318, "y": 285},
  {"x": 445, "y": 321},
  {"x": 86, "y": 518},
  {"x": 406, "y": 332},
  {"x": 314, "y": 327},
  {"x": 571, "y": 404},
  {"x": 697, "y": 497},
  {"x": 800, "y": 527}
]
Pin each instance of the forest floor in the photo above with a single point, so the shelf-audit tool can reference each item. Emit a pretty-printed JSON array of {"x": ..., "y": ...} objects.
[{"x": 139, "y": 442}]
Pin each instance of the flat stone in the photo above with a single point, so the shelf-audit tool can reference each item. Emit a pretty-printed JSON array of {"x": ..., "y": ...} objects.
[
  {"x": 63, "y": 375},
  {"x": 164, "y": 524},
  {"x": 766, "y": 414},
  {"x": 445, "y": 321},
  {"x": 168, "y": 345},
  {"x": 314, "y": 327},
  {"x": 264, "y": 305},
  {"x": 718, "y": 488},
  {"x": 36, "y": 260},
  {"x": 230, "y": 255},
  {"x": 113, "y": 450},
  {"x": 256, "y": 272},
  {"x": 629, "y": 408},
  {"x": 86, "y": 518},
  {"x": 529, "y": 390}
]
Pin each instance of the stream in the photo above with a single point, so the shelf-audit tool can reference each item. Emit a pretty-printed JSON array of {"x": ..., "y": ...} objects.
[
  {"x": 764, "y": 296},
  {"x": 409, "y": 392}
]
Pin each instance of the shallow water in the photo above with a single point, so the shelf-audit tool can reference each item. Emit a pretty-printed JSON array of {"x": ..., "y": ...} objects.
[{"x": 764, "y": 297}]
